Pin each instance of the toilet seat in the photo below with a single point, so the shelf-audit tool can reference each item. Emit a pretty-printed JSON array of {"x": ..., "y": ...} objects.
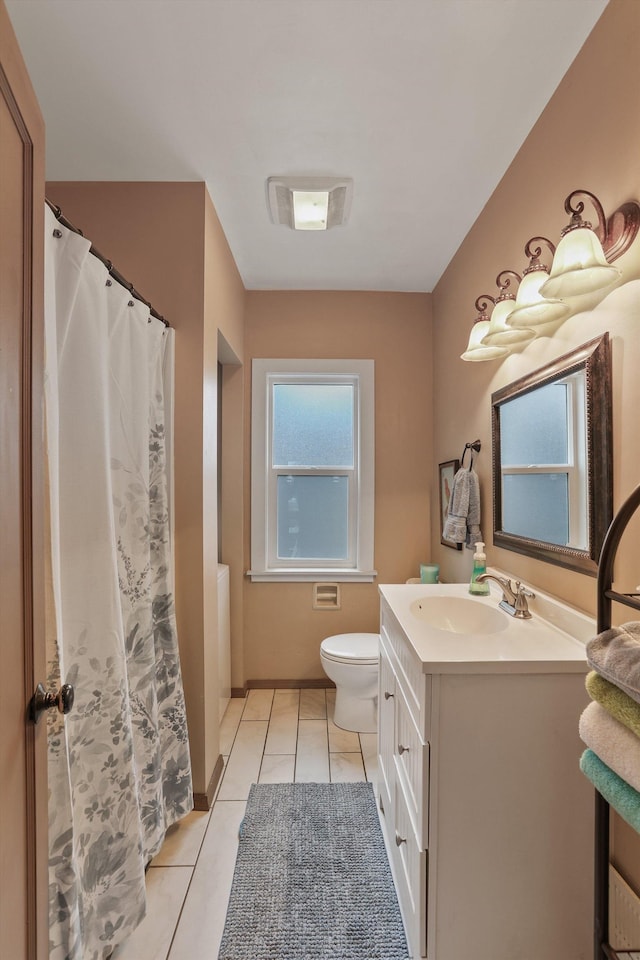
[{"x": 352, "y": 648}]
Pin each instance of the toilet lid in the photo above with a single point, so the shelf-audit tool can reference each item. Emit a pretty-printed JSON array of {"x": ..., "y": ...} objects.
[{"x": 348, "y": 647}]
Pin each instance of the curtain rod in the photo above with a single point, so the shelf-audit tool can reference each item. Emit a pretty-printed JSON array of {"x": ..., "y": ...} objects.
[{"x": 117, "y": 276}]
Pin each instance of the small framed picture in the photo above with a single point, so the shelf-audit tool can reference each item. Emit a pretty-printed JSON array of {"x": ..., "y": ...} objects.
[{"x": 447, "y": 472}]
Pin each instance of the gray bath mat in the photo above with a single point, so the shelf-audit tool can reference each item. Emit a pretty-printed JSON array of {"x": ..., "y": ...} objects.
[{"x": 312, "y": 880}]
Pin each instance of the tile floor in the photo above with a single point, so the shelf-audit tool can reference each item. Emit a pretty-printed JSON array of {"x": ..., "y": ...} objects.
[{"x": 272, "y": 736}]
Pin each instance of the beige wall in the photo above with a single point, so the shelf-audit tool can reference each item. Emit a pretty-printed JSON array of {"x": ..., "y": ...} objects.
[
  {"x": 588, "y": 137},
  {"x": 223, "y": 317},
  {"x": 282, "y": 632},
  {"x": 167, "y": 240}
]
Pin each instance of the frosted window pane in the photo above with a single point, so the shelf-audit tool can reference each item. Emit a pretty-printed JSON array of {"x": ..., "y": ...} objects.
[
  {"x": 536, "y": 505},
  {"x": 313, "y": 517},
  {"x": 313, "y": 425},
  {"x": 534, "y": 427}
]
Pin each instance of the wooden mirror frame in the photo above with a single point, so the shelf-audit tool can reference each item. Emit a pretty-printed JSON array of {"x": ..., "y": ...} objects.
[{"x": 594, "y": 358}]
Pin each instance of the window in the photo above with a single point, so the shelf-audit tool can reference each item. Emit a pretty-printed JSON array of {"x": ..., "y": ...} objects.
[
  {"x": 312, "y": 437},
  {"x": 544, "y": 487}
]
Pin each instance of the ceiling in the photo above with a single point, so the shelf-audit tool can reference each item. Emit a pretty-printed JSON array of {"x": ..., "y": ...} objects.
[{"x": 424, "y": 103}]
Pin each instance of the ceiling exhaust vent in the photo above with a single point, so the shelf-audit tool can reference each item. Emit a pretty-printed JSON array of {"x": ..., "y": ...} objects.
[{"x": 309, "y": 203}]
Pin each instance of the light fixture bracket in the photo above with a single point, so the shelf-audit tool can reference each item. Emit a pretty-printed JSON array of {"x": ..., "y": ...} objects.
[
  {"x": 534, "y": 254},
  {"x": 616, "y": 233},
  {"x": 503, "y": 281},
  {"x": 482, "y": 305},
  {"x": 622, "y": 229}
]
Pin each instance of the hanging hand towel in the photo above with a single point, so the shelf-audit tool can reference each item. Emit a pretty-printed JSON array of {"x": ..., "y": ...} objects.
[
  {"x": 614, "y": 700},
  {"x": 473, "y": 515},
  {"x": 463, "y": 519},
  {"x": 455, "y": 526},
  {"x": 614, "y": 743},
  {"x": 622, "y": 797},
  {"x": 615, "y": 654}
]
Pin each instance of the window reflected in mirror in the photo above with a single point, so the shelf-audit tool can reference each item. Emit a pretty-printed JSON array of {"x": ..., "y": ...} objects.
[{"x": 552, "y": 495}]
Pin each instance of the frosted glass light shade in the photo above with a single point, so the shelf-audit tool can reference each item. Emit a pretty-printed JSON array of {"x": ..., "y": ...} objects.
[
  {"x": 476, "y": 350},
  {"x": 579, "y": 266},
  {"x": 531, "y": 308},
  {"x": 310, "y": 209},
  {"x": 499, "y": 334}
]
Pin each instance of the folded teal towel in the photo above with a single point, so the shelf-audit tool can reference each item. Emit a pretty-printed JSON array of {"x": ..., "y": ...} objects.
[{"x": 623, "y": 798}]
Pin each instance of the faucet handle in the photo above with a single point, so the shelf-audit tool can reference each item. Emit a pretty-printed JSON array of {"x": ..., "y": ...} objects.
[
  {"x": 522, "y": 591},
  {"x": 522, "y": 611}
]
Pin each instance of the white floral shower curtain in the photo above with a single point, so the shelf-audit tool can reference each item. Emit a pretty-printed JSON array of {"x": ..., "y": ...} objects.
[{"x": 119, "y": 770}]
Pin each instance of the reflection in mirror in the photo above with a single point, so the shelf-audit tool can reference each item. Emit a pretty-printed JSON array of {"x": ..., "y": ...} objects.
[{"x": 552, "y": 459}]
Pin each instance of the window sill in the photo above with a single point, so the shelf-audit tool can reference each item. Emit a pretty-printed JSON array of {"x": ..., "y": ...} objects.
[{"x": 312, "y": 576}]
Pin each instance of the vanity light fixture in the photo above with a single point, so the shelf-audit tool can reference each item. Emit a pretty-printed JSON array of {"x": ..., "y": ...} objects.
[
  {"x": 499, "y": 333},
  {"x": 476, "y": 349},
  {"x": 309, "y": 203},
  {"x": 531, "y": 308},
  {"x": 582, "y": 261},
  {"x": 581, "y": 264}
]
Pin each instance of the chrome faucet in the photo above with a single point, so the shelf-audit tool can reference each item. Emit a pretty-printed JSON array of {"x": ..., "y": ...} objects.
[{"x": 514, "y": 602}]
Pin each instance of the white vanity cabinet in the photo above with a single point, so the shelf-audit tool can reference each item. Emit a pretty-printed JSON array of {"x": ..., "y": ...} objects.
[{"x": 487, "y": 819}]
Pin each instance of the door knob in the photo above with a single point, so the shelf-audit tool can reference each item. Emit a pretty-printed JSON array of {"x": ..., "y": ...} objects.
[
  {"x": 387, "y": 695},
  {"x": 402, "y": 749},
  {"x": 41, "y": 700}
]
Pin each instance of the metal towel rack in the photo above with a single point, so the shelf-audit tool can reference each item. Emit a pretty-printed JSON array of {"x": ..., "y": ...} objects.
[{"x": 602, "y": 949}]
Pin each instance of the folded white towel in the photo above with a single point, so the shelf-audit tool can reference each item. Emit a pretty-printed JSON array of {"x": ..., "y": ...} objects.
[
  {"x": 615, "y": 744},
  {"x": 615, "y": 654}
]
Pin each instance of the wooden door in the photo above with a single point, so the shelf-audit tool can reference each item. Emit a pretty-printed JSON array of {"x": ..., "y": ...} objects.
[{"x": 23, "y": 793}]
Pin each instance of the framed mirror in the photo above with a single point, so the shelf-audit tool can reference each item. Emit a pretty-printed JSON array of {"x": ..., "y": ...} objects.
[{"x": 553, "y": 460}]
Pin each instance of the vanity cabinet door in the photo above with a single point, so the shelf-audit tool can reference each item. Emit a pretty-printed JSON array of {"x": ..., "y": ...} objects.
[
  {"x": 410, "y": 868},
  {"x": 412, "y": 765},
  {"x": 386, "y": 734}
]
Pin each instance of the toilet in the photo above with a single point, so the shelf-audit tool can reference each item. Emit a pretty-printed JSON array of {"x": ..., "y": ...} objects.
[{"x": 351, "y": 661}]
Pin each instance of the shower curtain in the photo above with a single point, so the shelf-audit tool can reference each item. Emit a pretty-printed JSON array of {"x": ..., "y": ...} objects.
[{"x": 119, "y": 769}]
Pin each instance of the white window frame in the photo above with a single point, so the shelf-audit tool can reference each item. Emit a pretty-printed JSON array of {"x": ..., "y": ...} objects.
[{"x": 265, "y": 564}]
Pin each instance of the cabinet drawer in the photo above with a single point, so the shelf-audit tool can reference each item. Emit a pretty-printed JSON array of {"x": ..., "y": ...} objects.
[
  {"x": 410, "y": 867},
  {"x": 416, "y": 684},
  {"x": 412, "y": 766}
]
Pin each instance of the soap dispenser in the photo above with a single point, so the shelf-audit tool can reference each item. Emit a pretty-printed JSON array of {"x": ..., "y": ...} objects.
[{"x": 479, "y": 566}]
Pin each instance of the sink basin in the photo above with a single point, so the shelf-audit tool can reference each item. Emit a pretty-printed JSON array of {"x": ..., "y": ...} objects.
[{"x": 459, "y": 615}]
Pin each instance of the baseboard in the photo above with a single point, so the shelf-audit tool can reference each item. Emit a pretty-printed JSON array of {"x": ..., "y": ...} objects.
[
  {"x": 323, "y": 683},
  {"x": 204, "y": 801},
  {"x": 318, "y": 684}
]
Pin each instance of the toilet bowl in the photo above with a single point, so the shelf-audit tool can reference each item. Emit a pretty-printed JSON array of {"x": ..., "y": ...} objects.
[{"x": 351, "y": 661}]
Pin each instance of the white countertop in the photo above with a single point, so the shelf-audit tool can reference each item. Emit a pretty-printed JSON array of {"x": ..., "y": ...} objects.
[{"x": 522, "y": 646}]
